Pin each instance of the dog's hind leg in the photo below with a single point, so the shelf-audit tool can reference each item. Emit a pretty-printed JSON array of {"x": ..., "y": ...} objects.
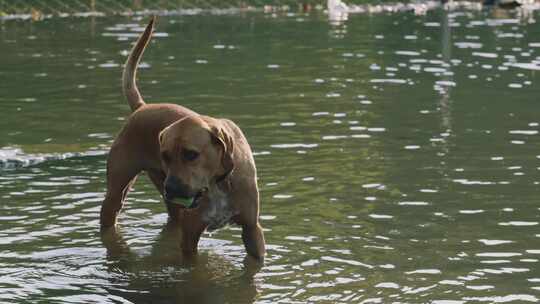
[{"x": 121, "y": 174}]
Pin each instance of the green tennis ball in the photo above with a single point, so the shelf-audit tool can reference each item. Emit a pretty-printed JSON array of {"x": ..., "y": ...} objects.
[{"x": 186, "y": 202}]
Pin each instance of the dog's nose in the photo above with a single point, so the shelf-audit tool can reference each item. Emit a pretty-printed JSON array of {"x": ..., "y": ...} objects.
[{"x": 174, "y": 187}]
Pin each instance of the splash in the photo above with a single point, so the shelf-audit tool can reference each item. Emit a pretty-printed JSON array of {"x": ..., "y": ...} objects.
[{"x": 12, "y": 157}]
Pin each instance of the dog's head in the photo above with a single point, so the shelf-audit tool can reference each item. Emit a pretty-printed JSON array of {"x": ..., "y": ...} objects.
[{"x": 196, "y": 152}]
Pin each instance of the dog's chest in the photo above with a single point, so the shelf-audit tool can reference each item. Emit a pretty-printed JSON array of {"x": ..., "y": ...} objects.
[{"x": 220, "y": 212}]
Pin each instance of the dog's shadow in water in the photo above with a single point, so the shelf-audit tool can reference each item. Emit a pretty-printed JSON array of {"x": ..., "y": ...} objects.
[{"x": 165, "y": 276}]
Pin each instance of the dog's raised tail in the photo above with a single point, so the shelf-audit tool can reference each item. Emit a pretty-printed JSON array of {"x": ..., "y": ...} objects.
[{"x": 129, "y": 84}]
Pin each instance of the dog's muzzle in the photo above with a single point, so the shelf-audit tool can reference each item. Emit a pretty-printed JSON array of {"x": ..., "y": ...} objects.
[
  {"x": 180, "y": 193},
  {"x": 174, "y": 188}
]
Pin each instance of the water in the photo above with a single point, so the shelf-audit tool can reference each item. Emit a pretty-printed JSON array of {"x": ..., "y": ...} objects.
[{"x": 397, "y": 158}]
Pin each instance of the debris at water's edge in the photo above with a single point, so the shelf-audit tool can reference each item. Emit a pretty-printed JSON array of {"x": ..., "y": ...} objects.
[
  {"x": 336, "y": 9},
  {"x": 180, "y": 12}
]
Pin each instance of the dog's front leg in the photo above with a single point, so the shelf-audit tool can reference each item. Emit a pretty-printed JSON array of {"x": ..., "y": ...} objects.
[
  {"x": 253, "y": 238},
  {"x": 191, "y": 221},
  {"x": 192, "y": 228}
]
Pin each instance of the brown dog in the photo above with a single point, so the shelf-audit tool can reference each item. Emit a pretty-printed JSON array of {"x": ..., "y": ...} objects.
[{"x": 187, "y": 156}]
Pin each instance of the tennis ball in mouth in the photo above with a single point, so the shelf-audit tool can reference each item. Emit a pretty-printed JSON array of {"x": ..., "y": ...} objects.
[{"x": 186, "y": 202}]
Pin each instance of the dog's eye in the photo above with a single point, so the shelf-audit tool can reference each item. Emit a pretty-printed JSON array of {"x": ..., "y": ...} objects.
[
  {"x": 190, "y": 155},
  {"x": 165, "y": 156}
]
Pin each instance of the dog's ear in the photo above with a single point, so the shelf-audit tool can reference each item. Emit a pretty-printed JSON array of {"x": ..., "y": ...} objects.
[{"x": 222, "y": 138}]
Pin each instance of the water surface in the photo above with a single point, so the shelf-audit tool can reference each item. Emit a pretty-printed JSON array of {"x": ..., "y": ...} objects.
[{"x": 397, "y": 158}]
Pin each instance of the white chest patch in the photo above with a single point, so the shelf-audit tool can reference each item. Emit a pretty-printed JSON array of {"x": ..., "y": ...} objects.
[{"x": 220, "y": 213}]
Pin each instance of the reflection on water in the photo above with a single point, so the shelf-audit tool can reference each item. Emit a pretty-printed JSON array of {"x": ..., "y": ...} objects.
[
  {"x": 396, "y": 153},
  {"x": 206, "y": 278}
]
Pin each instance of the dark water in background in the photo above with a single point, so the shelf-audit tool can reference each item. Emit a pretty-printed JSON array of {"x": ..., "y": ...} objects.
[{"x": 397, "y": 154}]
